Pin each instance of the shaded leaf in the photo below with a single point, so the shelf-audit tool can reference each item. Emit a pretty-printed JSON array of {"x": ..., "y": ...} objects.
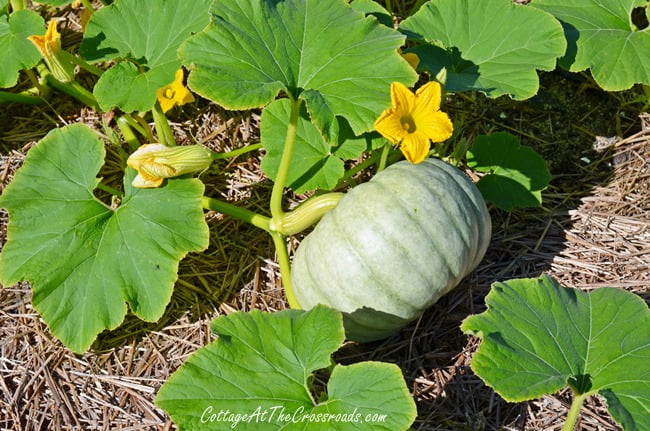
[
  {"x": 283, "y": 350},
  {"x": 84, "y": 259},
  {"x": 485, "y": 46},
  {"x": 18, "y": 52},
  {"x": 148, "y": 33},
  {"x": 539, "y": 337},
  {"x": 602, "y": 37},
  {"x": 517, "y": 173},
  {"x": 254, "y": 49},
  {"x": 55, "y": 2}
]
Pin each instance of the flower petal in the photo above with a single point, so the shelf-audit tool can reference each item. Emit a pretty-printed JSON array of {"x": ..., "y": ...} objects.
[
  {"x": 415, "y": 147},
  {"x": 428, "y": 97},
  {"x": 141, "y": 182},
  {"x": 435, "y": 126},
  {"x": 402, "y": 98},
  {"x": 390, "y": 126}
]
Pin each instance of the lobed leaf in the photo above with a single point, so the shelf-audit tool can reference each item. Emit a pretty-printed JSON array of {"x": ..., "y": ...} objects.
[
  {"x": 517, "y": 174},
  {"x": 18, "y": 52},
  {"x": 539, "y": 337},
  {"x": 602, "y": 37},
  {"x": 148, "y": 34},
  {"x": 486, "y": 45},
  {"x": 220, "y": 386},
  {"x": 86, "y": 260},
  {"x": 256, "y": 49}
]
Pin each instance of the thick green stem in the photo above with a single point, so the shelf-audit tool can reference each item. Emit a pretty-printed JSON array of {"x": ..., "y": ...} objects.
[
  {"x": 285, "y": 268},
  {"x": 239, "y": 213},
  {"x": 22, "y": 97},
  {"x": 109, "y": 189},
  {"x": 18, "y": 5},
  {"x": 574, "y": 412},
  {"x": 137, "y": 123},
  {"x": 73, "y": 88},
  {"x": 283, "y": 170},
  {"x": 384, "y": 156},
  {"x": 237, "y": 152},
  {"x": 127, "y": 132},
  {"x": 163, "y": 129},
  {"x": 305, "y": 215}
]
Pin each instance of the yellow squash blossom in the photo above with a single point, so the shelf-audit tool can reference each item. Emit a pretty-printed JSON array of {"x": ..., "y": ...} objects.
[
  {"x": 50, "y": 47},
  {"x": 155, "y": 162},
  {"x": 174, "y": 94},
  {"x": 412, "y": 59},
  {"x": 414, "y": 120}
]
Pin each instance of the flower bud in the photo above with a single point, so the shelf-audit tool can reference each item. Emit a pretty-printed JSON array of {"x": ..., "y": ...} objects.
[
  {"x": 155, "y": 162},
  {"x": 50, "y": 47}
]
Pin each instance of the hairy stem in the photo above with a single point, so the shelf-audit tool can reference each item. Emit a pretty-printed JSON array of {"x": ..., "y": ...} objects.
[
  {"x": 306, "y": 214},
  {"x": 73, "y": 88}
]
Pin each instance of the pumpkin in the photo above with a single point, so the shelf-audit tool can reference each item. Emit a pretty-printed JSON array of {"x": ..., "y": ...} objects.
[{"x": 392, "y": 247}]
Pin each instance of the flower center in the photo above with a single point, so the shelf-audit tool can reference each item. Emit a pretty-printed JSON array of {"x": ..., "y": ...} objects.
[
  {"x": 408, "y": 124},
  {"x": 169, "y": 93}
]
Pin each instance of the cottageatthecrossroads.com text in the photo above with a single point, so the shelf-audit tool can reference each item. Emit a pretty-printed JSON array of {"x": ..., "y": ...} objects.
[{"x": 279, "y": 414}]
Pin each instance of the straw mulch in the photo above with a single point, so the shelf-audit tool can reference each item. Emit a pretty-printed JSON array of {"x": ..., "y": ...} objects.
[{"x": 596, "y": 235}]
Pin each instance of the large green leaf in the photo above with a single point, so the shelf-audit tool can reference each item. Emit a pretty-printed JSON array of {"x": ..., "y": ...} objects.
[
  {"x": 517, "y": 174},
  {"x": 254, "y": 49},
  {"x": 315, "y": 164},
  {"x": 84, "y": 259},
  {"x": 601, "y": 36},
  {"x": 258, "y": 375},
  {"x": 485, "y": 45},
  {"x": 539, "y": 337},
  {"x": 55, "y": 2},
  {"x": 17, "y": 51},
  {"x": 147, "y": 33}
]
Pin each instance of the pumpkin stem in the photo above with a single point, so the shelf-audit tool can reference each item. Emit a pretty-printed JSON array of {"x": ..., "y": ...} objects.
[{"x": 305, "y": 215}]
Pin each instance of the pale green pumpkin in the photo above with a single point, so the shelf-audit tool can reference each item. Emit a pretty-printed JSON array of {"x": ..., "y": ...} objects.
[{"x": 393, "y": 246}]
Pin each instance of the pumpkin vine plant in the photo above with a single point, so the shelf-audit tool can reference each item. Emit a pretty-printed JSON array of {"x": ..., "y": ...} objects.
[{"x": 323, "y": 103}]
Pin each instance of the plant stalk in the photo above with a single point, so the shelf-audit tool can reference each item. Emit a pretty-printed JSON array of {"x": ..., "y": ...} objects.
[
  {"x": 22, "y": 97},
  {"x": 574, "y": 412},
  {"x": 18, "y": 5},
  {"x": 127, "y": 133},
  {"x": 257, "y": 220},
  {"x": 283, "y": 170},
  {"x": 306, "y": 214},
  {"x": 237, "y": 152},
  {"x": 163, "y": 129},
  {"x": 73, "y": 88},
  {"x": 285, "y": 268}
]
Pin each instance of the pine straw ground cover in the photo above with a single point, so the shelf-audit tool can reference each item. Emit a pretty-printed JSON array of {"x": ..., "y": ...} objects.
[{"x": 594, "y": 230}]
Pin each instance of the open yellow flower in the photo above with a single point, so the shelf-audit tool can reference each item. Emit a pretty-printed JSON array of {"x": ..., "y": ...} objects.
[
  {"x": 155, "y": 162},
  {"x": 174, "y": 94},
  {"x": 414, "y": 120},
  {"x": 50, "y": 47}
]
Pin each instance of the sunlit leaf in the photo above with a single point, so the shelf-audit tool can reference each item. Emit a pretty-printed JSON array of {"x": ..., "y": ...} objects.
[
  {"x": 148, "y": 34},
  {"x": 255, "y": 49},
  {"x": 539, "y": 337},
  {"x": 601, "y": 36},
  {"x": 260, "y": 371},
  {"x": 86, "y": 260}
]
